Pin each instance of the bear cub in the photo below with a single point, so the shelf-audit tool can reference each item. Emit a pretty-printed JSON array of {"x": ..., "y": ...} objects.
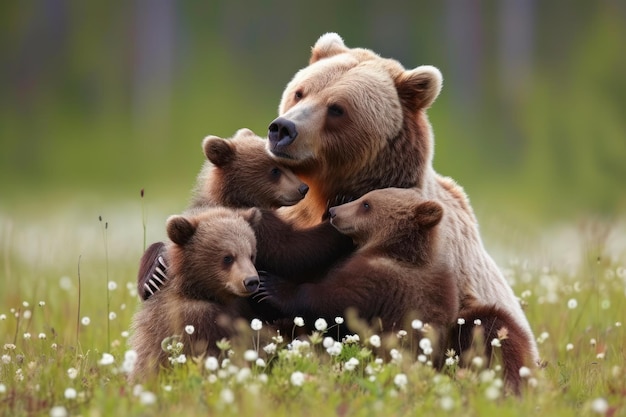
[
  {"x": 397, "y": 255},
  {"x": 211, "y": 271},
  {"x": 239, "y": 172}
]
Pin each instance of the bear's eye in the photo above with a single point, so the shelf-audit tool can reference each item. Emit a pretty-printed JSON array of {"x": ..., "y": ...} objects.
[
  {"x": 275, "y": 172},
  {"x": 228, "y": 260},
  {"x": 335, "y": 110},
  {"x": 366, "y": 205},
  {"x": 298, "y": 95}
]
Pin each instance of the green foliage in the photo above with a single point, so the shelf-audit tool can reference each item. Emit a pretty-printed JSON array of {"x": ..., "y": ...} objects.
[{"x": 61, "y": 304}]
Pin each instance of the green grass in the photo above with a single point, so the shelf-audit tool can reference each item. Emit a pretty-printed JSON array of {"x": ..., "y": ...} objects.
[{"x": 63, "y": 268}]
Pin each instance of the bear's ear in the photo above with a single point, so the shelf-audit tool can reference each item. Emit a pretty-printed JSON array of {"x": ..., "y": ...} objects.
[
  {"x": 252, "y": 215},
  {"x": 180, "y": 229},
  {"x": 327, "y": 45},
  {"x": 428, "y": 214},
  {"x": 418, "y": 88},
  {"x": 217, "y": 150}
]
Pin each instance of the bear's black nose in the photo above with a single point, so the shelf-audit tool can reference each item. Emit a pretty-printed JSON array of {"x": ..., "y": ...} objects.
[
  {"x": 282, "y": 132},
  {"x": 303, "y": 188},
  {"x": 251, "y": 283}
]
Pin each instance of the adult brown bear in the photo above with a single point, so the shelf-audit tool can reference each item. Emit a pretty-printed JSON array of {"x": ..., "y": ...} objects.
[{"x": 352, "y": 121}]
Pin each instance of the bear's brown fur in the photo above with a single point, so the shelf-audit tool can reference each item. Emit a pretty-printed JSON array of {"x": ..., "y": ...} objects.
[
  {"x": 211, "y": 271},
  {"x": 352, "y": 121},
  {"x": 482, "y": 324},
  {"x": 397, "y": 273},
  {"x": 239, "y": 173}
]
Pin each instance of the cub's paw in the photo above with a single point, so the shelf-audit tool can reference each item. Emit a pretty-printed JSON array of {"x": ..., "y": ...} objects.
[
  {"x": 273, "y": 289},
  {"x": 152, "y": 273}
]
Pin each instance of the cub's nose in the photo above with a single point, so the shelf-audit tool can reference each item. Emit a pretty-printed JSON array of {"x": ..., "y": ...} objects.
[
  {"x": 331, "y": 212},
  {"x": 282, "y": 132},
  {"x": 251, "y": 283},
  {"x": 303, "y": 189}
]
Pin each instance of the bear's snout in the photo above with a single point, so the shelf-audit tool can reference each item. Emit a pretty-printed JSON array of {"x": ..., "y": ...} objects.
[
  {"x": 251, "y": 283},
  {"x": 282, "y": 132},
  {"x": 331, "y": 212}
]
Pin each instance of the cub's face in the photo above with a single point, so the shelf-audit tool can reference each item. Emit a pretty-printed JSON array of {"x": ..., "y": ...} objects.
[
  {"x": 385, "y": 214},
  {"x": 249, "y": 173},
  {"x": 214, "y": 252}
]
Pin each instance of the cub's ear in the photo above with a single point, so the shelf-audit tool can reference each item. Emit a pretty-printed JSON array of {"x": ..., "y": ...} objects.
[
  {"x": 327, "y": 45},
  {"x": 180, "y": 229},
  {"x": 418, "y": 88},
  {"x": 252, "y": 215},
  {"x": 428, "y": 214},
  {"x": 217, "y": 150},
  {"x": 244, "y": 132}
]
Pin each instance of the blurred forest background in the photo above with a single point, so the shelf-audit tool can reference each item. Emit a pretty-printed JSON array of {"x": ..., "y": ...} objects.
[{"x": 101, "y": 98}]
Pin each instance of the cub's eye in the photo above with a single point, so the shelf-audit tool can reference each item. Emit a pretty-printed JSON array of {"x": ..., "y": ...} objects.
[
  {"x": 335, "y": 110},
  {"x": 298, "y": 95},
  {"x": 228, "y": 260},
  {"x": 366, "y": 205},
  {"x": 275, "y": 172}
]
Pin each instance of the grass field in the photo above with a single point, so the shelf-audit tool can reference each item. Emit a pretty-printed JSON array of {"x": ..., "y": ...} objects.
[{"x": 67, "y": 295}]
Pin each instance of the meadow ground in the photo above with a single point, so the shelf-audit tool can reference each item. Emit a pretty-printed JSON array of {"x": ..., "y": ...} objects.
[{"x": 67, "y": 295}]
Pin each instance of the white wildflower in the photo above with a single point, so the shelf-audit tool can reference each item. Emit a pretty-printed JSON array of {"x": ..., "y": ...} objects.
[
  {"x": 446, "y": 403},
  {"x": 328, "y": 342},
  {"x": 572, "y": 303},
  {"x": 107, "y": 359},
  {"x": 72, "y": 373},
  {"x": 321, "y": 325},
  {"x": 70, "y": 393},
  {"x": 58, "y": 411},
  {"x": 297, "y": 379},
  {"x": 250, "y": 355},
  {"x": 400, "y": 380},
  {"x": 375, "y": 340},
  {"x": 600, "y": 406},
  {"x": 256, "y": 324},
  {"x": 351, "y": 364},
  {"x": 524, "y": 372},
  {"x": 270, "y": 348},
  {"x": 147, "y": 398},
  {"x": 335, "y": 349},
  {"x": 417, "y": 324}
]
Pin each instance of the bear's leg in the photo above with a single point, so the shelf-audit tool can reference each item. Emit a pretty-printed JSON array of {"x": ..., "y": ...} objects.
[{"x": 493, "y": 333}]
